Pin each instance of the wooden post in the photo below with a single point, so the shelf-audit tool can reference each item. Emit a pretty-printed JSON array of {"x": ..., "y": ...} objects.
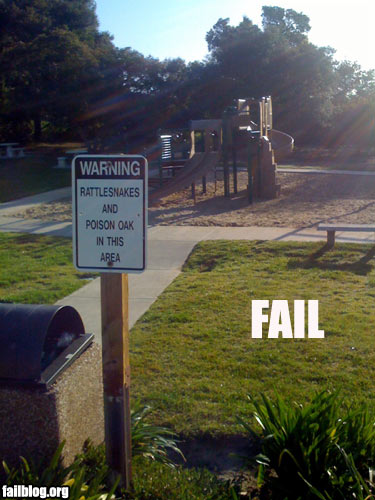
[
  {"x": 116, "y": 373},
  {"x": 250, "y": 185},
  {"x": 330, "y": 239},
  {"x": 225, "y": 154},
  {"x": 160, "y": 172},
  {"x": 265, "y": 116},
  {"x": 234, "y": 160},
  {"x": 160, "y": 159},
  {"x": 204, "y": 184},
  {"x": 261, "y": 123},
  {"x": 259, "y": 171},
  {"x": 192, "y": 142},
  {"x": 270, "y": 118}
]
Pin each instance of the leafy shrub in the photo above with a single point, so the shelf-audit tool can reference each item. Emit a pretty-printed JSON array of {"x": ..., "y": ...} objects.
[
  {"x": 83, "y": 483},
  {"x": 151, "y": 441},
  {"x": 318, "y": 450},
  {"x": 88, "y": 476},
  {"x": 88, "y": 479}
]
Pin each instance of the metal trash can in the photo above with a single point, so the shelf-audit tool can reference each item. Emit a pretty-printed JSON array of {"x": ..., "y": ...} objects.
[{"x": 38, "y": 342}]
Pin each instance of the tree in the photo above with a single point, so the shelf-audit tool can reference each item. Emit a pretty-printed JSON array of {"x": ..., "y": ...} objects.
[
  {"x": 286, "y": 22},
  {"x": 235, "y": 62},
  {"x": 277, "y": 61},
  {"x": 54, "y": 61},
  {"x": 352, "y": 81},
  {"x": 353, "y": 115}
]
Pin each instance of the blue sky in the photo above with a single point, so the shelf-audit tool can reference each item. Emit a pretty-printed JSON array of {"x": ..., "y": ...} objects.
[{"x": 177, "y": 28}]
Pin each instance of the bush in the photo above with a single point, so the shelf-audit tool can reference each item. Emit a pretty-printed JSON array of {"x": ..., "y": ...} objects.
[
  {"x": 319, "y": 450},
  {"x": 89, "y": 476},
  {"x": 85, "y": 483},
  {"x": 151, "y": 441}
]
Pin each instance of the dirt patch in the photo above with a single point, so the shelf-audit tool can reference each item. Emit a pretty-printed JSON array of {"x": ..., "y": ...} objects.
[
  {"x": 227, "y": 457},
  {"x": 305, "y": 200},
  {"x": 221, "y": 455}
]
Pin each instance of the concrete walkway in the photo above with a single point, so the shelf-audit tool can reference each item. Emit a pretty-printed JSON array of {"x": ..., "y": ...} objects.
[
  {"x": 168, "y": 248},
  {"x": 10, "y": 207},
  {"x": 310, "y": 170}
]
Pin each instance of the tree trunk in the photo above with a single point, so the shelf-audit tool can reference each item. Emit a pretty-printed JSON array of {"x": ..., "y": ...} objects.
[{"x": 37, "y": 127}]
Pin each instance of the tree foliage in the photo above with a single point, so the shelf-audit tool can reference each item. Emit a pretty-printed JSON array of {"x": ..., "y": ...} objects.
[
  {"x": 59, "y": 71},
  {"x": 53, "y": 59},
  {"x": 287, "y": 23},
  {"x": 277, "y": 61}
]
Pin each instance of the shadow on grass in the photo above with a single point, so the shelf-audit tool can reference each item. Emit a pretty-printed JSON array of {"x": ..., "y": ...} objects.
[
  {"x": 360, "y": 267},
  {"x": 218, "y": 454},
  {"x": 37, "y": 239}
]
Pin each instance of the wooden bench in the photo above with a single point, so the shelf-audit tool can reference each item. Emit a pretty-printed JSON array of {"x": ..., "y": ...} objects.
[{"x": 332, "y": 228}]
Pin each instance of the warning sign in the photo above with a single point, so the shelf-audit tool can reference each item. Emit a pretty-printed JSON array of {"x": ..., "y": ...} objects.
[{"x": 109, "y": 213}]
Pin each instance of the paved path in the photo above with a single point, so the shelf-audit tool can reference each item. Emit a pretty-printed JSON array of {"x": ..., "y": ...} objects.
[
  {"x": 310, "y": 170},
  {"x": 168, "y": 248},
  {"x": 13, "y": 224},
  {"x": 11, "y": 207}
]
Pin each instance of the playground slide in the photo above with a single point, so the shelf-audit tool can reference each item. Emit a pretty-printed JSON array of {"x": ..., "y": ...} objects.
[
  {"x": 281, "y": 142},
  {"x": 199, "y": 165}
]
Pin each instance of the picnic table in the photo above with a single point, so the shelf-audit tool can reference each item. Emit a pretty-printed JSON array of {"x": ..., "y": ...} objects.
[
  {"x": 76, "y": 151},
  {"x": 65, "y": 161},
  {"x": 7, "y": 150}
]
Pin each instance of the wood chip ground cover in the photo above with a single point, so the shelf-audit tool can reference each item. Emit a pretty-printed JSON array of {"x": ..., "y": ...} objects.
[{"x": 305, "y": 200}]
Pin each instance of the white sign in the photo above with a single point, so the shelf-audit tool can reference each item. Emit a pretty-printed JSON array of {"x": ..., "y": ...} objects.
[{"x": 109, "y": 213}]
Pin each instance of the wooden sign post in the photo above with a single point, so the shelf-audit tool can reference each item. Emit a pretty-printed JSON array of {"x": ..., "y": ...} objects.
[
  {"x": 116, "y": 373},
  {"x": 109, "y": 236}
]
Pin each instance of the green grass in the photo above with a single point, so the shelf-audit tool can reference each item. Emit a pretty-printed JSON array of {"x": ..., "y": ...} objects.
[
  {"x": 37, "y": 269},
  {"x": 192, "y": 354},
  {"x": 31, "y": 175},
  {"x": 89, "y": 477},
  {"x": 153, "y": 481}
]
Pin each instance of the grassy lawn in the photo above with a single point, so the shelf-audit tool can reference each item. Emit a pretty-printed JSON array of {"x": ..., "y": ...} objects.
[
  {"x": 31, "y": 175},
  {"x": 37, "y": 269},
  {"x": 192, "y": 354}
]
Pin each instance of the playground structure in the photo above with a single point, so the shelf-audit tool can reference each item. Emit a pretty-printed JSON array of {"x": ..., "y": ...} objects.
[{"x": 243, "y": 139}]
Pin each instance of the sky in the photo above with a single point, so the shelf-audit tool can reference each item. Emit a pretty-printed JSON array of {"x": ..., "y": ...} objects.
[{"x": 177, "y": 28}]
